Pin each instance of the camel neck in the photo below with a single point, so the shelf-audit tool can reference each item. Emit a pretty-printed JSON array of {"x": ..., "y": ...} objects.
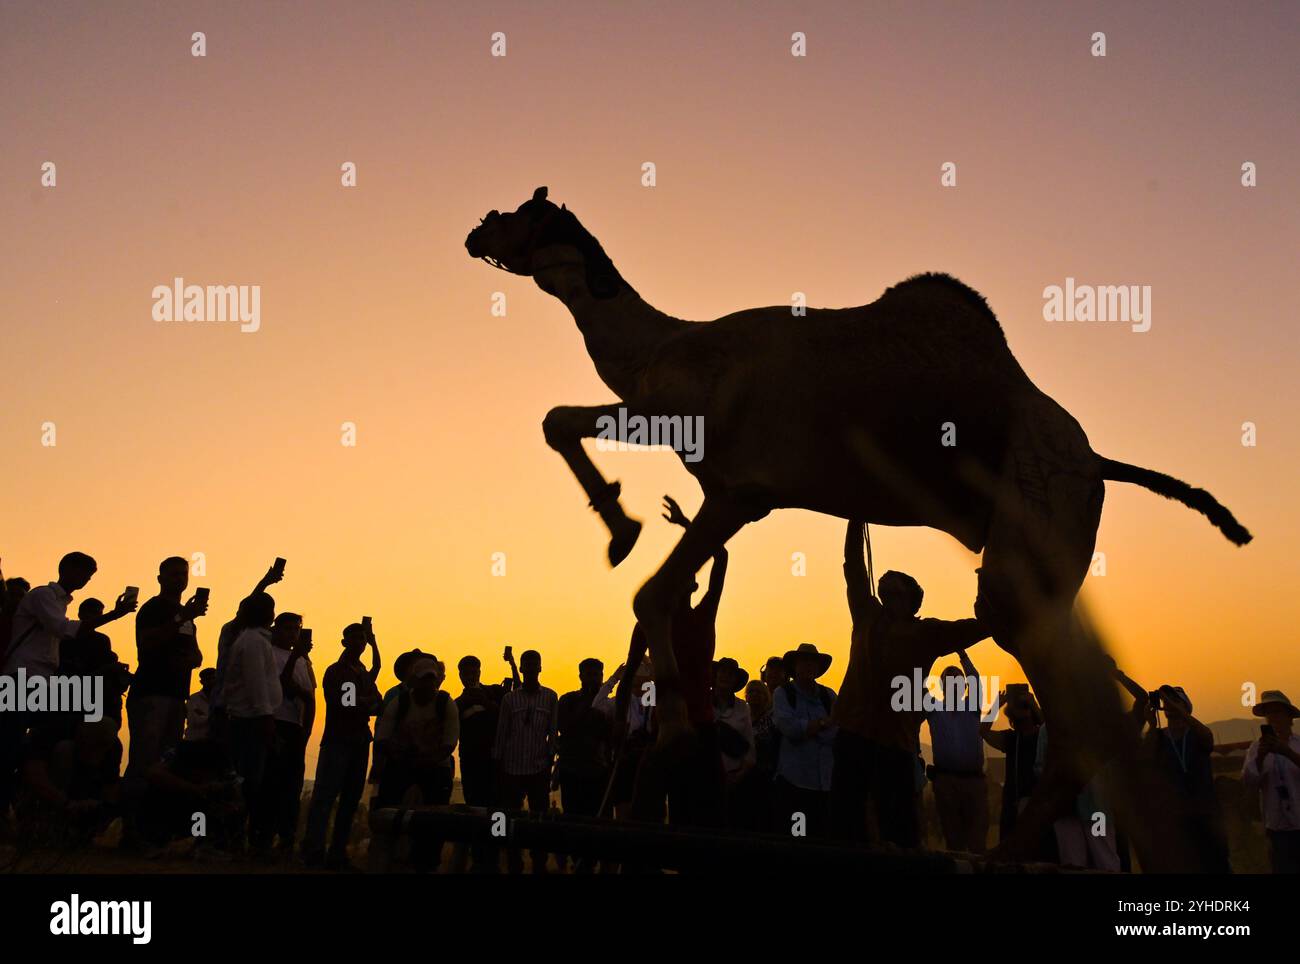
[{"x": 621, "y": 330}]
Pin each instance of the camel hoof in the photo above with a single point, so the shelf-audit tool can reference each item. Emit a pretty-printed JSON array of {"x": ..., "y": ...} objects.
[{"x": 622, "y": 539}]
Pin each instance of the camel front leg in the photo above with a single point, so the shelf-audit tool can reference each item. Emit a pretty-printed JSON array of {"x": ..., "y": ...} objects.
[
  {"x": 565, "y": 427},
  {"x": 717, "y": 521}
]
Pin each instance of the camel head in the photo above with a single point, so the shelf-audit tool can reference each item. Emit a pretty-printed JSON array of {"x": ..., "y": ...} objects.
[{"x": 518, "y": 242}]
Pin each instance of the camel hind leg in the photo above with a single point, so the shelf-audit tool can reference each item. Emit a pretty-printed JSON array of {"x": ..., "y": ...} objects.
[{"x": 1039, "y": 547}]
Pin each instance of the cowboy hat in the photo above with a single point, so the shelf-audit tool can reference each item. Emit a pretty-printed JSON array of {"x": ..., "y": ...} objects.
[
  {"x": 1176, "y": 694},
  {"x": 807, "y": 649},
  {"x": 402, "y": 664},
  {"x": 739, "y": 677},
  {"x": 1274, "y": 698}
]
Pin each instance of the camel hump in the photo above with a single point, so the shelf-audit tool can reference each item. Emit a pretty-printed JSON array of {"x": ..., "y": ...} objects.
[{"x": 933, "y": 286}]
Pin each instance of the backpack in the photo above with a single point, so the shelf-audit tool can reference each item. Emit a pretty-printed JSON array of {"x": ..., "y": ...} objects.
[{"x": 823, "y": 693}]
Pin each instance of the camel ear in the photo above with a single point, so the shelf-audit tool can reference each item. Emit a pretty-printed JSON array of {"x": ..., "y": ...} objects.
[
  {"x": 539, "y": 194},
  {"x": 564, "y": 207}
]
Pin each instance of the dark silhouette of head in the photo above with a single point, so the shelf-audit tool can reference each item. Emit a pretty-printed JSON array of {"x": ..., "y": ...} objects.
[
  {"x": 900, "y": 594},
  {"x": 258, "y": 611},
  {"x": 530, "y": 666},
  {"x": 15, "y": 589},
  {"x": 953, "y": 681},
  {"x": 173, "y": 576},
  {"x": 470, "y": 670},
  {"x": 774, "y": 673},
  {"x": 91, "y": 608},
  {"x": 518, "y": 242},
  {"x": 354, "y": 640},
  {"x": 75, "y": 570},
  {"x": 591, "y": 673},
  {"x": 206, "y": 678},
  {"x": 286, "y": 630}
]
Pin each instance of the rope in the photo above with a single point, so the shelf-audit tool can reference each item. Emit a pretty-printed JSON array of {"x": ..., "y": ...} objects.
[{"x": 871, "y": 570}]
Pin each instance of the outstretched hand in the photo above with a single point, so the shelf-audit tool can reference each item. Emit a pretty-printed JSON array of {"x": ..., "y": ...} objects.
[
  {"x": 126, "y": 604},
  {"x": 673, "y": 512}
]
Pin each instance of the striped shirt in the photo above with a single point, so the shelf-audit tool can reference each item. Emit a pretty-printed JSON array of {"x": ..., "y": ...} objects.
[{"x": 525, "y": 743}]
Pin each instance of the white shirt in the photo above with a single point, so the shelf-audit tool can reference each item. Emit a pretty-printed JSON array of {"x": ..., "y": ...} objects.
[
  {"x": 1278, "y": 782},
  {"x": 39, "y": 623},
  {"x": 738, "y": 718},
  {"x": 252, "y": 680},
  {"x": 293, "y": 709}
]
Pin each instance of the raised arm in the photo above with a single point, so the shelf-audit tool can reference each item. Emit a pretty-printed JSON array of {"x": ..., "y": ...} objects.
[
  {"x": 943, "y": 636},
  {"x": 717, "y": 577},
  {"x": 863, "y": 605},
  {"x": 375, "y": 661}
]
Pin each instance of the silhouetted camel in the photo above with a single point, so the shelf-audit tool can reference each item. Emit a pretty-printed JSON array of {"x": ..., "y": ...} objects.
[{"x": 908, "y": 411}]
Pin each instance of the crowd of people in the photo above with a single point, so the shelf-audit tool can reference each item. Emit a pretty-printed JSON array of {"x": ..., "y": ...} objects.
[{"x": 225, "y": 764}]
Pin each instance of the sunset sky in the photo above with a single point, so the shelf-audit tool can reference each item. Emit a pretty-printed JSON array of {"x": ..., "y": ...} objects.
[{"x": 775, "y": 174}]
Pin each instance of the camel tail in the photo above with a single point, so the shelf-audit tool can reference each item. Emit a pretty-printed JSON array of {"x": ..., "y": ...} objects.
[{"x": 1171, "y": 488}]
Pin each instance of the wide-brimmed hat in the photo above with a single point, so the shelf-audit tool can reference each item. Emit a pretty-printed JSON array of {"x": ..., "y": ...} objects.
[
  {"x": 1177, "y": 694},
  {"x": 739, "y": 676},
  {"x": 1274, "y": 698},
  {"x": 402, "y": 665},
  {"x": 807, "y": 649}
]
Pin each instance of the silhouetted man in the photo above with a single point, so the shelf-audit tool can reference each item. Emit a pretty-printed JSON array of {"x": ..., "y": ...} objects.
[
  {"x": 351, "y": 699},
  {"x": 693, "y": 783},
  {"x": 90, "y": 653},
  {"x": 40, "y": 622},
  {"x": 801, "y": 713},
  {"x": 417, "y": 733},
  {"x": 877, "y": 745},
  {"x": 1021, "y": 745},
  {"x": 735, "y": 726},
  {"x": 167, "y": 649},
  {"x": 961, "y": 792},
  {"x": 1181, "y": 752},
  {"x": 478, "y": 707},
  {"x": 1273, "y": 768},
  {"x": 585, "y": 735},
  {"x": 229, "y": 631},
  {"x": 294, "y": 719},
  {"x": 253, "y": 694},
  {"x": 525, "y": 749}
]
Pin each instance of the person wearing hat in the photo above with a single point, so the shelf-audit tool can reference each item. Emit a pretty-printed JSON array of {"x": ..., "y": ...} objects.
[
  {"x": 735, "y": 727},
  {"x": 801, "y": 712},
  {"x": 417, "y": 733},
  {"x": 1180, "y": 750},
  {"x": 878, "y": 742},
  {"x": 1273, "y": 768}
]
